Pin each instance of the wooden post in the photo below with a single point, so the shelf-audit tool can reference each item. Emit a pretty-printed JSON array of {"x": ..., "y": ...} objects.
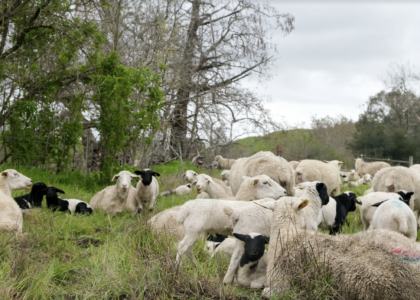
[
  {"x": 410, "y": 161},
  {"x": 279, "y": 152},
  {"x": 87, "y": 154},
  {"x": 180, "y": 156}
]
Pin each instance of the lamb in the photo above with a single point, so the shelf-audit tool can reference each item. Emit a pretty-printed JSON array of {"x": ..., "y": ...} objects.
[
  {"x": 394, "y": 179},
  {"x": 190, "y": 176},
  {"x": 225, "y": 176},
  {"x": 225, "y": 247},
  {"x": 75, "y": 206},
  {"x": 395, "y": 215},
  {"x": 353, "y": 175},
  {"x": 52, "y": 198},
  {"x": 366, "y": 179},
  {"x": 315, "y": 170},
  {"x": 293, "y": 164},
  {"x": 147, "y": 189},
  {"x": 34, "y": 198},
  {"x": 367, "y": 210},
  {"x": 378, "y": 264},
  {"x": 262, "y": 163},
  {"x": 181, "y": 190},
  {"x": 215, "y": 188},
  {"x": 371, "y": 168},
  {"x": 222, "y": 163},
  {"x": 334, "y": 214},
  {"x": 165, "y": 223},
  {"x": 119, "y": 197},
  {"x": 10, "y": 214},
  {"x": 253, "y": 264},
  {"x": 244, "y": 220}
]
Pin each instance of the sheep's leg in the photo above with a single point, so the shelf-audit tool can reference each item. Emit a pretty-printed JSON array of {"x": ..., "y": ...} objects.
[
  {"x": 152, "y": 205},
  {"x": 234, "y": 262},
  {"x": 365, "y": 224},
  {"x": 185, "y": 247}
]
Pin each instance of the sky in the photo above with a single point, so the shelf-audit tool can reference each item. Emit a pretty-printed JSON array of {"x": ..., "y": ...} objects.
[{"x": 337, "y": 56}]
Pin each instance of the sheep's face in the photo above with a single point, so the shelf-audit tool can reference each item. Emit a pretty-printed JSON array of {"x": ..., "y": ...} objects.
[
  {"x": 147, "y": 176},
  {"x": 299, "y": 176},
  {"x": 265, "y": 187},
  {"x": 203, "y": 181},
  {"x": 124, "y": 180},
  {"x": 15, "y": 180},
  {"x": 254, "y": 246},
  {"x": 190, "y": 176},
  {"x": 225, "y": 175},
  {"x": 367, "y": 179},
  {"x": 215, "y": 164}
]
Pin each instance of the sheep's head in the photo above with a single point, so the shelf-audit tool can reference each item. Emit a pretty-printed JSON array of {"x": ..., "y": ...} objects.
[
  {"x": 15, "y": 180},
  {"x": 124, "y": 180},
  {"x": 265, "y": 187},
  {"x": 147, "y": 176},
  {"x": 290, "y": 211},
  {"x": 215, "y": 164},
  {"x": 202, "y": 183},
  {"x": 39, "y": 189},
  {"x": 254, "y": 246},
  {"x": 190, "y": 176}
]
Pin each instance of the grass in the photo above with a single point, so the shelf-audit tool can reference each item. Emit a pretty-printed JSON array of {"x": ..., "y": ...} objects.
[{"x": 65, "y": 256}]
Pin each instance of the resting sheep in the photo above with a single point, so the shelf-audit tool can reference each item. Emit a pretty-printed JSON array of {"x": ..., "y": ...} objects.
[
  {"x": 119, "y": 197},
  {"x": 190, "y": 176},
  {"x": 75, "y": 206},
  {"x": 395, "y": 215},
  {"x": 215, "y": 188},
  {"x": 165, "y": 223},
  {"x": 181, "y": 190},
  {"x": 225, "y": 176},
  {"x": 366, "y": 179},
  {"x": 315, "y": 170},
  {"x": 371, "y": 168},
  {"x": 34, "y": 198},
  {"x": 52, "y": 198},
  {"x": 222, "y": 163},
  {"x": 10, "y": 213},
  {"x": 147, "y": 189},
  {"x": 260, "y": 163},
  {"x": 377, "y": 264}
]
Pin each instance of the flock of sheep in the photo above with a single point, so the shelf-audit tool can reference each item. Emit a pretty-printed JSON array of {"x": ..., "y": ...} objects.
[{"x": 264, "y": 199}]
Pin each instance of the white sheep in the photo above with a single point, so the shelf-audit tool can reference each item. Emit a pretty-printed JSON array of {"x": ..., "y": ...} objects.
[
  {"x": 366, "y": 179},
  {"x": 293, "y": 164},
  {"x": 222, "y": 163},
  {"x": 225, "y": 176},
  {"x": 119, "y": 197},
  {"x": 10, "y": 214},
  {"x": 315, "y": 170},
  {"x": 181, "y": 190},
  {"x": 215, "y": 188},
  {"x": 260, "y": 163},
  {"x": 395, "y": 215},
  {"x": 371, "y": 168},
  {"x": 225, "y": 247},
  {"x": 367, "y": 210},
  {"x": 354, "y": 175},
  {"x": 190, "y": 176},
  {"x": 165, "y": 223},
  {"x": 147, "y": 189}
]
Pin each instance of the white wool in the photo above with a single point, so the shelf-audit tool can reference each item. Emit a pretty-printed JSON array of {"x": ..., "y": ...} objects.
[
  {"x": 190, "y": 176},
  {"x": 147, "y": 194}
]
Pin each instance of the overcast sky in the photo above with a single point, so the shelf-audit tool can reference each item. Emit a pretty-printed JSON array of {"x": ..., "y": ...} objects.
[{"x": 337, "y": 56}]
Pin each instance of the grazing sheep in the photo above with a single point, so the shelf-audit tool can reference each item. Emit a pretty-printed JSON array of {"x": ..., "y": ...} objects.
[
  {"x": 394, "y": 179},
  {"x": 181, "y": 190},
  {"x": 225, "y": 247},
  {"x": 262, "y": 163},
  {"x": 215, "y": 188},
  {"x": 34, "y": 198},
  {"x": 253, "y": 264},
  {"x": 190, "y": 176},
  {"x": 75, "y": 206},
  {"x": 119, "y": 197},
  {"x": 371, "y": 168},
  {"x": 315, "y": 170},
  {"x": 367, "y": 210},
  {"x": 222, "y": 163},
  {"x": 10, "y": 213},
  {"x": 333, "y": 215},
  {"x": 147, "y": 189},
  {"x": 225, "y": 176},
  {"x": 377, "y": 264},
  {"x": 52, "y": 198},
  {"x": 293, "y": 164},
  {"x": 395, "y": 215}
]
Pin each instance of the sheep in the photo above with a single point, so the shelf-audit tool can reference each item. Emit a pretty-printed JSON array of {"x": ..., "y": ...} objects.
[
  {"x": 366, "y": 179},
  {"x": 335, "y": 163},
  {"x": 415, "y": 168},
  {"x": 352, "y": 184},
  {"x": 75, "y": 206},
  {"x": 262, "y": 163},
  {"x": 190, "y": 176},
  {"x": 333, "y": 215},
  {"x": 215, "y": 188},
  {"x": 244, "y": 220},
  {"x": 378, "y": 264},
  {"x": 367, "y": 210},
  {"x": 222, "y": 163},
  {"x": 225, "y": 176},
  {"x": 353, "y": 175},
  {"x": 119, "y": 197},
  {"x": 10, "y": 214},
  {"x": 52, "y": 198},
  {"x": 165, "y": 223},
  {"x": 293, "y": 164},
  {"x": 368, "y": 191},
  {"x": 181, "y": 190},
  {"x": 315, "y": 170},
  {"x": 34, "y": 198},
  {"x": 371, "y": 168},
  {"x": 394, "y": 179},
  {"x": 147, "y": 189},
  {"x": 225, "y": 247},
  {"x": 253, "y": 264},
  {"x": 395, "y": 215}
]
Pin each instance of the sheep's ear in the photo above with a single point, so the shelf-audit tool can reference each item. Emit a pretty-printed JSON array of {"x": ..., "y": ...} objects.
[
  {"x": 409, "y": 194},
  {"x": 340, "y": 163},
  {"x": 155, "y": 174},
  {"x": 240, "y": 237},
  {"x": 195, "y": 174},
  {"x": 115, "y": 177},
  {"x": 4, "y": 173},
  {"x": 138, "y": 172},
  {"x": 255, "y": 181},
  {"x": 266, "y": 240},
  {"x": 379, "y": 203},
  {"x": 193, "y": 184},
  {"x": 357, "y": 200},
  {"x": 303, "y": 204},
  {"x": 59, "y": 191},
  {"x": 137, "y": 177}
]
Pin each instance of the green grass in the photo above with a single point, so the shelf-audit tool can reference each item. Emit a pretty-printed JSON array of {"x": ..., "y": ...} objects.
[{"x": 65, "y": 256}]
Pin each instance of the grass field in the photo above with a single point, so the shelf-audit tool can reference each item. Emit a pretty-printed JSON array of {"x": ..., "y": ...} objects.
[{"x": 101, "y": 257}]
